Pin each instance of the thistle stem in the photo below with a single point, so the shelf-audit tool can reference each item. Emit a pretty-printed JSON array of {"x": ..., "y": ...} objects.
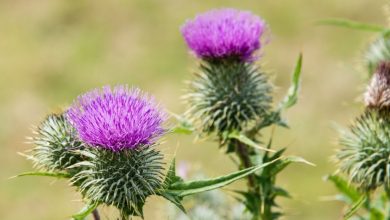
[
  {"x": 253, "y": 187},
  {"x": 256, "y": 188},
  {"x": 95, "y": 214},
  {"x": 243, "y": 154}
]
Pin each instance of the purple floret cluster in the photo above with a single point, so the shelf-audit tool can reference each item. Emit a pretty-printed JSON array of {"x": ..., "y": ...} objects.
[
  {"x": 117, "y": 118},
  {"x": 224, "y": 33}
]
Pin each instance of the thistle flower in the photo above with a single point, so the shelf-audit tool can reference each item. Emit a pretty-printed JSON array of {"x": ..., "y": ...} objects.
[
  {"x": 120, "y": 127},
  {"x": 55, "y": 144},
  {"x": 378, "y": 91},
  {"x": 224, "y": 33},
  {"x": 228, "y": 93},
  {"x": 365, "y": 155},
  {"x": 116, "y": 118}
]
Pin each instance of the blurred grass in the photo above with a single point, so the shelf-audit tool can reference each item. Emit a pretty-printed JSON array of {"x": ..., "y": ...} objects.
[{"x": 51, "y": 51}]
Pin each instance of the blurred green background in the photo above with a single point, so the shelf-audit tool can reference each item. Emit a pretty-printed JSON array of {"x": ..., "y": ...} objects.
[{"x": 51, "y": 51}]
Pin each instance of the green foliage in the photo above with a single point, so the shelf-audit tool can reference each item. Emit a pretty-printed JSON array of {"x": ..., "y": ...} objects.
[
  {"x": 365, "y": 155},
  {"x": 176, "y": 188},
  {"x": 363, "y": 206},
  {"x": 268, "y": 190},
  {"x": 292, "y": 95},
  {"x": 181, "y": 188},
  {"x": 183, "y": 126},
  {"x": 290, "y": 99},
  {"x": 87, "y": 209},
  {"x": 48, "y": 174},
  {"x": 123, "y": 179},
  {"x": 227, "y": 95},
  {"x": 56, "y": 146},
  {"x": 355, "y": 207},
  {"x": 352, "y": 25},
  {"x": 244, "y": 139},
  {"x": 349, "y": 194}
]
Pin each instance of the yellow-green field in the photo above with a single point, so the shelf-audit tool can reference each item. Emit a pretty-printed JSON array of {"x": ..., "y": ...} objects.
[{"x": 51, "y": 51}]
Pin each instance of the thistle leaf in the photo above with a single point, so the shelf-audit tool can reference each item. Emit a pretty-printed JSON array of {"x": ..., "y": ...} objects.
[
  {"x": 50, "y": 174},
  {"x": 281, "y": 192},
  {"x": 244, "y": 139},
  {"x": 87, "y": 209},
  {"x": 284, "y": 162},
  {"x": 171, "y": 174},
  {"x": 292, "y": 95},
  {"x": 181, "y": 189},
  {"x": 350, "y": 193},
  {"x": 352, "y": 25},
  {"x": 176, "y": 200},
  {"x": 355, "y": 207}
]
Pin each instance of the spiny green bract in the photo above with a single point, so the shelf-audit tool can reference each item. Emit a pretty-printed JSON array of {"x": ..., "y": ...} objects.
[
  {"x": 365, "y": 155},
  {"x": 226, "y": 95},
  {"x": 55, "y": 144},
  {"x": 123, "y": 179},
  {"x": 378, "y": 51}
]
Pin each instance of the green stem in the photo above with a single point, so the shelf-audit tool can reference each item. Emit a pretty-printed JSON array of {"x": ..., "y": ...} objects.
[{"x": 243, "y": 154}]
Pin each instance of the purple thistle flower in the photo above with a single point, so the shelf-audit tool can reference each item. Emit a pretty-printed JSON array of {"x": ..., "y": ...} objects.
[
  {"x": 116, "y": 118},
  {"x": 224, "y": 33}
]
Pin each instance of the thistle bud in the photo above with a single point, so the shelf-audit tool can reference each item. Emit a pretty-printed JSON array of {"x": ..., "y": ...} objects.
[
  {"x": 56, "y": 145},
  {"x": 120, "y": 127},
  {"x": 365, "y": 155},
  {"x": 378, "y": 91},
  {"x": 378, "y": 51}
]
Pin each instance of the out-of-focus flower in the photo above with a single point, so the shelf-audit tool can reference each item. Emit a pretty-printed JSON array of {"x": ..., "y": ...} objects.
[
  {"x": 116, "y": 118},
  {"x": 224, "y": 33},
  {"x": 378, "y": 91},
  {"x": 365, "y": 155}
]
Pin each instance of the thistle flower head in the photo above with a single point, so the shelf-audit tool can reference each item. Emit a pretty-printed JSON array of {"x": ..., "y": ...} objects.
[
  {"x": 55, "y": 144},
  {"x": 378, "y": 91},
  {"x": 224, "y": 33},
  {"x": 116, "y": 118},
  {"x": 365, "y": 155}
]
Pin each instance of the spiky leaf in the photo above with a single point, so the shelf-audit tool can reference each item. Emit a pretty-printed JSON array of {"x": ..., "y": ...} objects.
[{"x": 182, "y": 188}]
